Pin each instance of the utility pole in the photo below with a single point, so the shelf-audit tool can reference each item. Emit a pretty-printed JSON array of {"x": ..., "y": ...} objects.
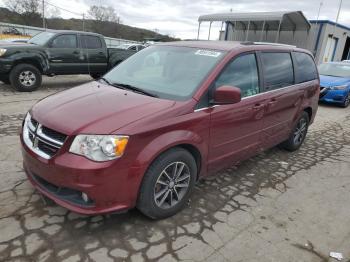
[
  {"x": 43, "y": 13},
  {"x": 335, "y": 27},
  {"x": 318, "y": 17},
  {"x": 83, "y": 21}
]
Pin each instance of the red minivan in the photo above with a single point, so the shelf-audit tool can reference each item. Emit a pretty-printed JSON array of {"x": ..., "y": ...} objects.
[{"x": 144, "y": 133}]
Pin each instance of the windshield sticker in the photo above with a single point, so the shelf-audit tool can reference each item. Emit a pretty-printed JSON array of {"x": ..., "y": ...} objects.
[{"x": 208, "y": 53}]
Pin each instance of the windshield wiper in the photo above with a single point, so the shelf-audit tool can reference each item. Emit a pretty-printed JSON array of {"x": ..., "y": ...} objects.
[
  {"x": 133, "y": 88},
  {"x": 105, "y": 80}
]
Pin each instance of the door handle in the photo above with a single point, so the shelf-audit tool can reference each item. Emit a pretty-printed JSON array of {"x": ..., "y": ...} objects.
[
  {"x": 257, "y": 107},
  {"x": 272, "y": 102}
]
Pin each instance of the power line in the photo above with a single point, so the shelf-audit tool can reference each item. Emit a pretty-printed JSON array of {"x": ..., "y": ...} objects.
[{"x": 80, "y": 14}]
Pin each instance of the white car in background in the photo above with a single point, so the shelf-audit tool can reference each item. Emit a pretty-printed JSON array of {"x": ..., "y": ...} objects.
[{"x": 134, "y": 47}]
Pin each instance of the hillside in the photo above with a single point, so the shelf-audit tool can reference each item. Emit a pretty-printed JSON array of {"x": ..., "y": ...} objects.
[{"x": 105, "y": 28}]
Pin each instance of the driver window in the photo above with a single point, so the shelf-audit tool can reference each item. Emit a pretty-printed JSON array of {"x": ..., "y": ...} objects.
[
  {"x": 242, "y": 72},
  {"x": 65, "y": 41}
]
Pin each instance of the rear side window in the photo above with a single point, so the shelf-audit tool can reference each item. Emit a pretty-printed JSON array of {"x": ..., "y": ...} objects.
[
  {"x": 91, "y": 42},
  {"x": 278, "y": 70},
  {"x": 305, "y": 68},
  {"x": 65, "y": 41},
  {"x": 242, "y": 72}
]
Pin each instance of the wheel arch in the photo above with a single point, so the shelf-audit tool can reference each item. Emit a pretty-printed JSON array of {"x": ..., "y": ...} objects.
[
  {"x": 185, "y": 139},
  {"x": 308, "y": 110}
]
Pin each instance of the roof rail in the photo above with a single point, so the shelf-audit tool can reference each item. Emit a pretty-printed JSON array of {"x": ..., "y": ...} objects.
[{"x": 265, "y": 43}]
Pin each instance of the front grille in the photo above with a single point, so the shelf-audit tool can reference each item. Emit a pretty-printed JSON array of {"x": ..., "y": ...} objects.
[
  {"x": 323, "y": 91},
  {"x": 54, "y": 134},
  {"x": 47, "y": 148},
  {"x": 40, "y": 139}
]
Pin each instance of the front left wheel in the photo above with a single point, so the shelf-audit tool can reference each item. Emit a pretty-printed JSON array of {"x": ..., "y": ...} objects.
[
  {"x": 25, "y": 77},
  {"x": 167, "y": 184}
]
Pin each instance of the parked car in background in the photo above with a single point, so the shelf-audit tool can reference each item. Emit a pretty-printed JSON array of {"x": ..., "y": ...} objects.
[
  {"x": 335, "y": 83},
  {"x": 147, "y": 131},
  {"x": 134, "y": 47},
  {"x": 11, "y": 31},
  {"x": 57, "y": 53},
  {"x": 13, "y": 40}
]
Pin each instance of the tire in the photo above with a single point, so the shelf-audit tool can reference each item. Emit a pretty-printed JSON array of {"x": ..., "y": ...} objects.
[
  {"x": 346, "y": 101},
  {"x": 5, "y": 80},
  {"x": 160, "y": 194},
  {"x": 298, "y": 134},
  {"x": 95, "y": 76},
  {"x": 25, "y": 78}
]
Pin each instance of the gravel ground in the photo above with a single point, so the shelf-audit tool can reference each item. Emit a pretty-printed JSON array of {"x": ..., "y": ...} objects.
[{"x": 277, "y": 206}]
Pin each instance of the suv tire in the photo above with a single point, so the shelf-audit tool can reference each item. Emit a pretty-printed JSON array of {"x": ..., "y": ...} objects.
[
  {"x": 95, "y": 76},
  {"x": 298, "y": 134},
  {"x": 25, "y": 77},
  {"x": 167, "y": 184}
]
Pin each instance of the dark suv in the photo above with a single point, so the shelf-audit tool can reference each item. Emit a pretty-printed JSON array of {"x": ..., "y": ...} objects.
[{"x": 150, "y": 128}]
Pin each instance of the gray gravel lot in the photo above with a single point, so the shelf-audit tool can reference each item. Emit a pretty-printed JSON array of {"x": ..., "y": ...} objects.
[{"x": 277, "y": 206}]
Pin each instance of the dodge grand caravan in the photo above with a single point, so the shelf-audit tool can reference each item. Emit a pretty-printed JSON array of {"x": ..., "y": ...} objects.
[{"x": 142, "y": 135}]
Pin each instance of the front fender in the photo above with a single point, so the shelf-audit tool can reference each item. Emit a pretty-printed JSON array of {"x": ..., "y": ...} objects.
[
  {"x": 168, "y": 140},
  {"x": 38, "y": 58}
]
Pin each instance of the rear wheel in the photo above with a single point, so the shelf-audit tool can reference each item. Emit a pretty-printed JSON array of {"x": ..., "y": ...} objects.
[
  {"x": 168, "y": 183},
  {"x": 95, "y": 76},
  {"x": 25, "y": 77},
  {"x": 298, "y": 135},
  {"x": 346, "y": 101}
]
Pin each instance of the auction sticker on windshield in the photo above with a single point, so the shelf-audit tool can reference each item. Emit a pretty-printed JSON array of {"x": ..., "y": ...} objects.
[{"x": 208, "y": 53}]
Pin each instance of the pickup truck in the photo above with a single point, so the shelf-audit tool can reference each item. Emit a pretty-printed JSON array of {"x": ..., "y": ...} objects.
[{"x": 57, "y": 52}]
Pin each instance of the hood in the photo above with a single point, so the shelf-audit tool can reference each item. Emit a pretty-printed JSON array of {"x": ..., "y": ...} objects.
[
  {"x": 19, "y": 46},
  {"x": 328, "y": 81},
  {"x": 95, "y": 108}
]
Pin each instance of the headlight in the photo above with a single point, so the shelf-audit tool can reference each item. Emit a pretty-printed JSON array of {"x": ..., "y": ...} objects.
[
  {"x": 2, "y": 51},
  {"x": 99, "y": 147},
  {"x": 339, "y": 87}
]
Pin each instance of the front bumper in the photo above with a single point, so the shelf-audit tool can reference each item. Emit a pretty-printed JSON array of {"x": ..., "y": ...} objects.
[
  {"x": 111, "y": 186},
  {"x": 333, "y": 96}
]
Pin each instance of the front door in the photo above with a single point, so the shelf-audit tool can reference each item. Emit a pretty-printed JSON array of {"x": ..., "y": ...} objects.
[
  {"x": 65, "y": 56},
  {"x": 235, "y": 130}
]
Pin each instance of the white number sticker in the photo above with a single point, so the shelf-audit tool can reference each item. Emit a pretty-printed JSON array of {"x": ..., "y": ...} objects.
[{"x": 207, "y": 53}]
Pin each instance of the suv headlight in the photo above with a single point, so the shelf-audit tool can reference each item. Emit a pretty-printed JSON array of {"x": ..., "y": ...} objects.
[
  {"x": 2, "y": 51},
  {"x": 99, "y": 147},
  {"x": 343, "y": 87}
]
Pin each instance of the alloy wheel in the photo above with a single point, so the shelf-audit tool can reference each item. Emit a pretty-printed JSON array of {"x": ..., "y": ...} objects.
[
  {"x": 27, "y": 78},
  {"x": 172, "y": 185},
  {"x": 300, "y": 131}
]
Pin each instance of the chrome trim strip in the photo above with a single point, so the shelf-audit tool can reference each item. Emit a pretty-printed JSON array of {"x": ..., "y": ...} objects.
[
  {"x": 29, "y": 143},
  {"x": 49, "y": 139},
  {"x": 263, "y": 93}
]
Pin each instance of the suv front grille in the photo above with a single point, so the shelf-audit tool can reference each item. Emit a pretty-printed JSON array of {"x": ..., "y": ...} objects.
[{"x": 40, "y": 139}]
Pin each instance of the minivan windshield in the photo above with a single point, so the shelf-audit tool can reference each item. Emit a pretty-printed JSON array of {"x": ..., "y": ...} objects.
[
  {"x": 167, "y": 72},
  {"x": 41, "y": 38},
  {"x": 335, "y": 69}
]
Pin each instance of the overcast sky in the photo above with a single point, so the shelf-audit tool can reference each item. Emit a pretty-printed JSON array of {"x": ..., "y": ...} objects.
[{"x": 180, "y": 17}]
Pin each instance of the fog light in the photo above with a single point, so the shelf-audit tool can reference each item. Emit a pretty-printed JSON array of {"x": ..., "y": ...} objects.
[{"x": 85, "y": 197}]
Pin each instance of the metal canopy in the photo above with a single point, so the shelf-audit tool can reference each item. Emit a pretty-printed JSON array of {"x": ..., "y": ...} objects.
[{"x": 272, "y": 21}]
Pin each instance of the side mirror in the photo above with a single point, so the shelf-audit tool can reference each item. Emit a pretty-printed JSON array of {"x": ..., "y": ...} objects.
[{"x": 225, "y": 95}]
